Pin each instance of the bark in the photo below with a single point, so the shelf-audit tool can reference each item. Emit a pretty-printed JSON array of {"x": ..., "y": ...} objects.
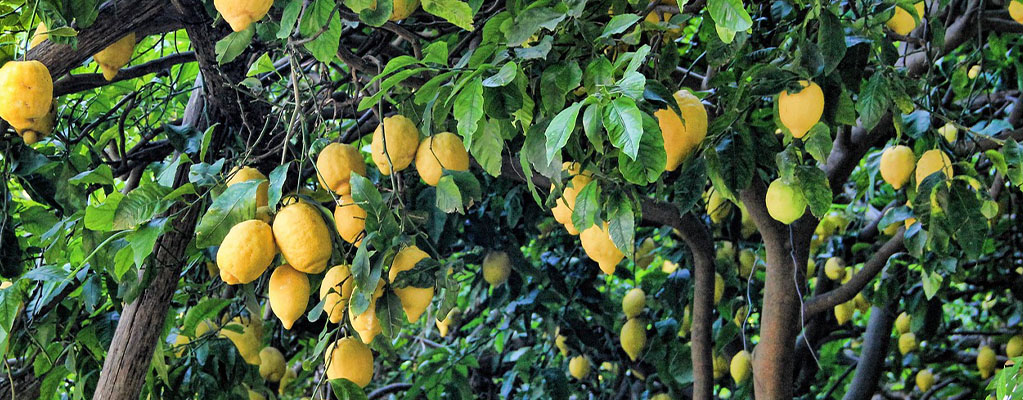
[
  {"x": 875, "y": 349},
  {"x": 859, "y": 281}
]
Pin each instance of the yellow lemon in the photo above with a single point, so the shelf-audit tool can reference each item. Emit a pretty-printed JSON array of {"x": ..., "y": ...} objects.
[
  {"x": 747, "y": 259},
  {"x": 949, "y": 132},
  {"x": 633, "y": 337},
  {"x": 748, "y": 226},
  {"x": 579, "y": 367},
  {"x": 496, "y": 268},
  {"x": 249, "y": 341},
  {"x": 566, "y": 203},
  {"x": 335, "y": 165},
  {"x": 1014, "y": 348},
  {"x": 834, "y": 268},
  {"x": 800, "y": 111},
  {"x": 559, "y": 342},
  {"x": 242, "y": 13},
  {"x": 26, "y": 93},
  {"x": 903, "y": 323},
  {"x": 401, "y": 144},
  {"x": 717, "y": 206},
  {"x": 244, "y": 174},
  {"x": 289, "y": 375},
  {"x": 645, "y": 253},
  {"x": 844, "y": 312},
  {"x": 687, "y": 322},
  {"x": 720, "y": 366},
  {"x": 349, "y": 219},
  {"x": 785, "y": 203},
  {"x": 597, "y": 243},
  {"x": 924, "y": 380},
  {"x": 115, "y": 56},
  {"x": 931, "y": 162},
  {"x": 861, "y": 303},
  {"x": 902, "y": 22},
  {"x": 719, "y": 288},
  {"x": 633, "y": 302},
  {"x": 682, "y": 134},
  {"x": 289, "y": 294},
  {"x": 987, "y": 361},
  {"x": 439, "y": 152},
  {"x": 451, "y": 319},
  {"x": 335, "y": 291},
  {"x": 271, "y": 364},
  {"x": 41, "y": 35},
  {"x": 414, "y": 300},
  {"x": 897, "y": 163},
  {"x": 907, "y": 343},
  {"x": 247, "y": 251},
  {"x": 741, "y": 366},
  {"x": 303, "y": 237},
  {"x": 41, "y": 128},
  {"x": 349, "y": 359},
  {"x": 1016, "y": 10}
]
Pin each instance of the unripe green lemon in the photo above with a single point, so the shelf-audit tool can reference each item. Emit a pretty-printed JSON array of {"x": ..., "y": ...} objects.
[
  {"x": 785, "y": 203},
  {"x": 741, "y": 366},
  {"x": 496, "y": 268}
]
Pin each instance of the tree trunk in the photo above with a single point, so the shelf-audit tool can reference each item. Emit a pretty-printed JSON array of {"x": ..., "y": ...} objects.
[{"x": 875, "y": 349}]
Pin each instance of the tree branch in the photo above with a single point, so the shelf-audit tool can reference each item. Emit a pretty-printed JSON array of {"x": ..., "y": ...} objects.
[
  {"x": 847, "y": 291},
  {"x": 82, "y": 82}
]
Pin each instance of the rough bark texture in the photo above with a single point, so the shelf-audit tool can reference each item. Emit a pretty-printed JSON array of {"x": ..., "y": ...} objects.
[{"x": 875, "y": 348}]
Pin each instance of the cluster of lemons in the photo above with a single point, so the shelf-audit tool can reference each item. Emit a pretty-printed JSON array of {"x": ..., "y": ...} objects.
[{"x": 240, "y": 14}]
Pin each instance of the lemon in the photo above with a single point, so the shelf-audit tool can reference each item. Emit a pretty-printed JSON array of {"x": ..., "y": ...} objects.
[
  {"x": 438, "y": 153},
  {"x": 244, "y": 174},
  {"x": 645, "y": 253},
  {"x": 748, "y": 227},
  {"x": 335, "y": 165},
  {"x": 633, "y": 302},
  {"x": 247, "y": 251},
  {"x": 902, "y": 323},
  {"x": 271, "y": 364},
  {"x": 349, "y": 359},
  {"x": 660, "y": 396},
  {"x": 335, "y": 291},
  {"x": 741, "y": 366},
  {"x": 633, "y": 337},
  {"x": 682, "y": 134},
  {"x": 861, "y": 303},
  {"x": 785, "y": 203},
  {"x": 720, "y": 366},
  {"x": 41, "y": 128},
  {"x": 451, "y": 318},
  {"x": 180, "y": 345},
  {"x": 242, "y": 13},
  {"x": 986, "y": 362},
  {"x": 579, "y": 367},
  {"x": 40, "y": 35},
  {"x": 414, "y": 300},
  {"x": 1016, "y": 10},
  {"x": 931, "y": 162},
  {"x": 349, "y": 219},
  {"x": 401, "y": 144},
  {"x": 949, "y": 132},
  {"x": 26, "y": 93},
  {"x": 897, "y": 163},
  {"x": 289, "y": 375},
  {"x": 834, "y": 268},
  {"x": 566, "y": 203},
  {"x": 717, "y": 207},
  {"x": 725, "y": 251},
  {"x": 1014, "y": 348},
  {"x": 844, "y": 312},
  {"x": 907, "y": 343},
  {"x": 974, "y": 72},
  {"x": 811, "y": 268},
  {"x": 687, "y": 322},
  {"x": 800, "y": 111},
  {"x": 204, "y": 327},
  {"x": 747, "y": 259},
  {"x": 559, "y": 342},
  {"x": 249, "y": 341},
  {"x": 740, "y": 315},
  {"x": 496, "y": 268},
  {"x": 289, "y": 294},
  {"x": 115, "y": 56},
  {"x": 597, "y": 243},
  {"x": 366, "y": 324},
  {"x": 669, "y": 267},
  {"x": 719, "y": 288},
  {"x": 303, "y": 237},
  {"x": 924, "y": 380},
  {"x": 902, "y": 22}
]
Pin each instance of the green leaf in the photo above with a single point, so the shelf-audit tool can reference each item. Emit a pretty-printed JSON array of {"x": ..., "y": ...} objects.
[
  {"x": 536, "y": 51},
  {"x": 818, "y": 142},
  {"x": 233, "y": 44},
  {"x": 319, "y": 15},
  {"x": 599, "y": 72},
  {"x": 289, "y": 18},
  {"x": 624, "y": 124},
  {"x": 931, "y": 283},
  {"x": 731, "y": 164},
  {"x": 236, "y": 204},
  {"x": 11, "y": 302},
  {"x": 529, "y": 22},
  {"x": 141, "y": 205},
  {"x": 587, "y": 207},
  {"x": 556, "y": 81},
  {"x": 830, "y": 40},
  {"x": 422, "y": 275},
  {"x": 618, "y": 24},
  {"x": 1012, "y": 152},
  {"x": 386, "y": 85},
  {"x": 143, "y": 240},
  {"x": 206, "y": 309},
  {"x": 390, "y": 314},
  {"x": 873, "y": 102},
  {"x": 534, "y": 150},
  {"x": 814, "y": 184},
  {"x": 633, "y": 84},
  {"x": 649, "y": 164},
  {"x": 346, "y": 390},
  {"x": 102, "y": 175},
  {"x": 560, "y": 129},
  {"x": 449, "y": 198},
  {"x": 456, "y": 12},
  {"x": 468, "y": 108},
  {"x": 487, "y": 146},
  {"x": 592, "y": 125},
  {"x": 622, "y": 225},
  {"x": 100, "y": 217},
  {"x": 378, "y": 14},
  {"x": 503, "y": 76},
  {"x": 277, "y": 178},
  {"x": 729, "y": 16},
  {"x": 365, "y": 194}
]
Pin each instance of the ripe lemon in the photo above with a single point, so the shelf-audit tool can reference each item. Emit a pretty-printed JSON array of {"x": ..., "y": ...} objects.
[
  {"x": 719, "y": 288},
  {"x": 335, "y": 165},
  {"x": 747, "y": 259},
  {"x": 924, "y": 380},
  {"x": 931, "y": 162},
  {"x": 861, "y": 303},
  {"x": 579, "y": 367},
  {"x": 349, "y": 219},
  {"x": 414, "y": 300},
  {"x": 902, "y": 22},
  {"x": 289, "y": 294},
  {"x": 335, "y": 291},
  {"x": 645, "y": 253},
  {"x": 242, "y": 13},
  {"x": 366, "y": 324},
  {"x": 748, "y": 226},
  {"x": 40, "y": 35},
  {"x": 559, "y": 342},
  {"x": 687, "y": 322},
  {"x": 741, "y": 366},
  {"x": 496, "y": 268},
  {"x": 271, "y": 364},
  {"x": 717, "y": 206},
  {"x": 844, "y": 312},
  {"x": 439, "y": 152},
  {"x": 720, "y": 366},
  {"x": 349, "y": 359},
  {"x": 811, "y": 268},
  {"x": 445, "y": 324},
  {"x": 249, "y": 341},
  {"x": 289, "y": 375},
  {"x": 566, "y": 203},
  {"x": 303, "y": 237},
  {"x": 401, "y": 144},
  {"x": 800, "y": 111},
  {"x": 785, "y": 203},
  {"x": 597, "y": 243},
  {"x": 834, "y": 268},
  {"x": 26, "y": 93},
  {"x": 244, "y": 174},
  {"x": 986, "y": 362},
  {"x": 1014, "y": 348},
  {"x": 682, "y": 134},
  {"x": 949, "y": 132},
  {"x": 903, "y": 323},
  {"x": 247, "y": 251},
  {"x": 41, "y": 128},
  {"x": 115, "y": 56},
  {"x": 1016, "y": 10},
  {"x": 633, "y": 302},
  {"x": 897, "y": 163},
  {"x": 633, "y": 337},
  {"x": 907, "y": 343}
]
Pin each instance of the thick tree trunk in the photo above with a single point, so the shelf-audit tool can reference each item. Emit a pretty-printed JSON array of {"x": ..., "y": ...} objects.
[{"x": 875, "y": 349}]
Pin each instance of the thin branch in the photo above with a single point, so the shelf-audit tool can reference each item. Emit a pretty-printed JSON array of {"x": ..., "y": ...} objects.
[
  {"x": 82, "y": 82},
  {"x": 847, "y": 291}
]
